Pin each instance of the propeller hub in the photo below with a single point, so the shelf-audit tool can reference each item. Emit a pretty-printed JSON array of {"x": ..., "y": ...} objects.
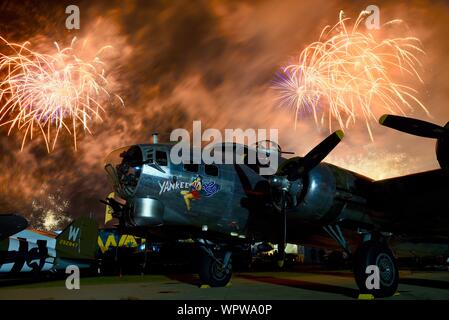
[
  {"x": 288, "y": 180},
  {"x": 280, "y": 182}
]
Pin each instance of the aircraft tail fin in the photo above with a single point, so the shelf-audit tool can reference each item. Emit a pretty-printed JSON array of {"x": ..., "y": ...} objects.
[{"x": 79, "y": 239}]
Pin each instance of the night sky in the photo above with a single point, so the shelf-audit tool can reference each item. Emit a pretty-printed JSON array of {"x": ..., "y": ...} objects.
[{"x": 177, "y": 61}]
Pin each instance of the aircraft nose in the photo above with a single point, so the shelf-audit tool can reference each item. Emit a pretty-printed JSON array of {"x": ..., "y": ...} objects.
[{"x": 124, "y": 168}]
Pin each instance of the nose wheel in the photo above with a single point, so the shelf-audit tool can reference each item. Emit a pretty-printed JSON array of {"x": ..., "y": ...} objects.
[
  {"x": 216, "y": 268},
  {"x": 377, "y": 254}
]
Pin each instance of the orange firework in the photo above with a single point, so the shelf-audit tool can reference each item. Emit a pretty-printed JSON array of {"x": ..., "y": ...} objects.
[
  {"x": 349, "y": 75},
  {"x": 46, "y": 93}
]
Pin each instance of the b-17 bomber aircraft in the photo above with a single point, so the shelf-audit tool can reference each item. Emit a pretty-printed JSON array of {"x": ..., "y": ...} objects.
[
  {"x": 306, "y": 201},
  {"x": 26, "y": 250}
]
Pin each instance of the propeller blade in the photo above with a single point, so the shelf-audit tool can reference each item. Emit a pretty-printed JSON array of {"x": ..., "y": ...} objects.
[
  {"x": 413, "y": 126},
  {"x": 321, "y": 151},
  {"x": 295, "y": 167}
]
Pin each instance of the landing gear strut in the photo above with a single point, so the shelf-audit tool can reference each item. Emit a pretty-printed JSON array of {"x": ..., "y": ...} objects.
[
  {"x": 216, "y": 267},
  {"x": 376, "y": 253}
]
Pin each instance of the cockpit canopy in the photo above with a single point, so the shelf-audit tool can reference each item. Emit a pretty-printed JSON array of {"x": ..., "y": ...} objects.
[{"x": 124, "y": 167}]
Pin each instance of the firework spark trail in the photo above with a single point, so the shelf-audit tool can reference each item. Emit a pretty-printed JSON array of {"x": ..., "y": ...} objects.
[
  {"x": 348, "y": 75},
  {"x": 47, "y": 93}
]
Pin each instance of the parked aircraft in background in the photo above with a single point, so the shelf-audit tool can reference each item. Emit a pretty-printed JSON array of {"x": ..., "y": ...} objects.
[{"x": 27, "y": 250}]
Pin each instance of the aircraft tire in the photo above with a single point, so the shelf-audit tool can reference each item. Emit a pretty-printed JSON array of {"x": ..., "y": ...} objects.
[
  {"x": 378, "y": 254},
  {"x": 212, "y": 273}
]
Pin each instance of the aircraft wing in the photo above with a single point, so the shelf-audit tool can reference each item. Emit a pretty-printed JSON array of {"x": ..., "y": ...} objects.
[
  {"x": 11, "y": 224},
  {"x": 416, "y": 203},
  {"x": 428, "y": 185}
]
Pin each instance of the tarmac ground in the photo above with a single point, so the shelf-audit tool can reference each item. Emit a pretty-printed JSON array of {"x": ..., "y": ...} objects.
[{"x": 286, "y": 285}]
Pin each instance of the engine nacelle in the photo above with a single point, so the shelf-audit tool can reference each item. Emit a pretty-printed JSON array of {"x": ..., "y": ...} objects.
[{"x": 323, "y": 195}]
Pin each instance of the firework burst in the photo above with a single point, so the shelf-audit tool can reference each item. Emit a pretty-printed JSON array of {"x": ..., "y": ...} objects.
[
  {"x": 50, "y": 93},
  {"x": 349, "y": 75}
]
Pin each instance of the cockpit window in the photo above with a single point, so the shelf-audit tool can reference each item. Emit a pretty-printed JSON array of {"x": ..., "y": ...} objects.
[
  {"x": 150, "y": 155},
  {"x": 124, "y": 167},
  {"x": 211, "y": 170},
  {"x": 191, "y": 167},
  {"x": 161, "y": 158}
]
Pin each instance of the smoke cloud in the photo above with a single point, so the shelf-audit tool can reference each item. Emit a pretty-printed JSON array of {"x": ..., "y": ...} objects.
[{"x": 214, "y": 61}]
